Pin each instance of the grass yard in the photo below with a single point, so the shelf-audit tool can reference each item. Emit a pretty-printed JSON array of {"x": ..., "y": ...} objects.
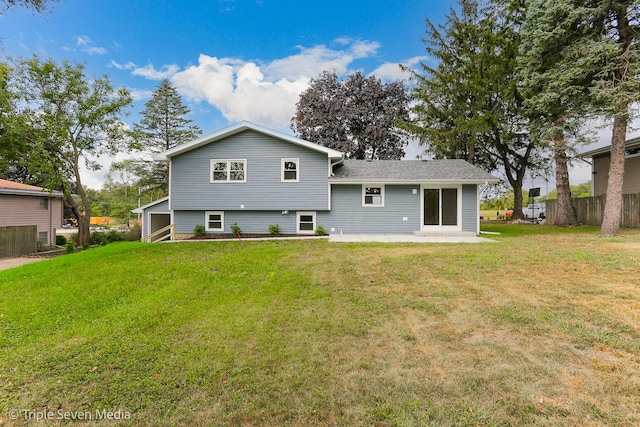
[{"x": 541, "y": 328}]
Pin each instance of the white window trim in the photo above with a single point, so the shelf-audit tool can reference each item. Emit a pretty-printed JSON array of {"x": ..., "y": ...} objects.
[
  {"x": 439, "y": 227},
  {"x": 282, "y": 163},
  {"x": 228, "y": 162},
  {"x": 206, "y": 220},
  {"x": 364, "y": 187},
  {"x": 298, "y": 215}
]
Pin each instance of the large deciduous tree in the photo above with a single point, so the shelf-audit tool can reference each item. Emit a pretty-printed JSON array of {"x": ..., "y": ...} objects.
[
  {"x": 356, "y": 116},
  {"x": 59, "y": 118},
  {"x": 164, "y": 125},
  {"x": 468, "y": 105}
]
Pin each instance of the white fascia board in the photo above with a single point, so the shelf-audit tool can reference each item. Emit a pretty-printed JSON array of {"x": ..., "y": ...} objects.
[
  {"x": 148, "y": 205},
  {"x": 240, "y": 127},
  {"x": 414, "y": 181}
]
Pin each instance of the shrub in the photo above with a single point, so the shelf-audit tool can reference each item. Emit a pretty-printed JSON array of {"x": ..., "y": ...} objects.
[
  {"x": 235, "y": 228},
  {"x": 71, "y": 248},
  {"x": 274, "y": 229},
  {"x": 102, "y": 238},
  {"x": 198, "y": 230},
  {"x": 134, "y": 234},
  {"x": 85, "y": 246},
  {"x": 320, "y": 231},
  {"x": 61, "y": 241}
]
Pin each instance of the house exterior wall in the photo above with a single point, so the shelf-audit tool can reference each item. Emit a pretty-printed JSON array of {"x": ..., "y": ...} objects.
[
  {"x": 470, "y": 214},
  {"x": 631, "y": 184},
  {"x": 348, "y": 214},
  {"x": 253, "y": 222},
  {"x": 263, "y": 189},
  {"x": 18, "y": 210}
]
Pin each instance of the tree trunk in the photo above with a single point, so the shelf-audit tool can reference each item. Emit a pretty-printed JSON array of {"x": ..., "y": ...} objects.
[
  {"x": 84, "y": 232},
  {"x": 613, "y": 204},
  {"x": 566, "y": 214},
  {"x": 517, "y": 202}
]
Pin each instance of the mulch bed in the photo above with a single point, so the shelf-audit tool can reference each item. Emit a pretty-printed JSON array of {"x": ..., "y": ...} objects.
[{"x": 244, "y": 236}]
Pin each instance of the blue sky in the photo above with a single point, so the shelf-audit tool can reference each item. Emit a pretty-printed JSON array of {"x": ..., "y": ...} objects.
[{"x": 231, "y": 60}]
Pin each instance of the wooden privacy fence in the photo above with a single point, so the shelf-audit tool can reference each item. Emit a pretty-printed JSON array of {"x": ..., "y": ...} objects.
[
  {"x": 18, "y": 240},
  {"x": 589, "y": 210}
]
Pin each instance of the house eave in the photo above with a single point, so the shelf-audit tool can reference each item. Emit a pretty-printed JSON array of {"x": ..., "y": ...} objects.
[
  {"x": 18, "y": 192},
  {"x": 148, "y": 205},
  {"x": 631, "y": 143},
  {"x": 165, "y": 156},
  {"x": 412, "y": 181}
]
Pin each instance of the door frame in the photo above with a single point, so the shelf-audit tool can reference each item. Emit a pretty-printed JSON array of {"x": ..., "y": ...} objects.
[{"x": 441, "y": 228}]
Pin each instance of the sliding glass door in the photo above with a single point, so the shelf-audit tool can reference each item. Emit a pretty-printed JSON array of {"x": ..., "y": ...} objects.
[{"x": 440, "y": 207}]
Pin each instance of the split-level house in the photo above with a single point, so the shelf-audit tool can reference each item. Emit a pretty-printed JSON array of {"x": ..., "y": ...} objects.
[{"x": 257, "y": 177}]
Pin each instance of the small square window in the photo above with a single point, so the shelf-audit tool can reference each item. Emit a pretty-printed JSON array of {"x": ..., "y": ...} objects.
[
  {"x": 290, "y": 170},
  {"x": 43, "y": 237},
  {"x": 306, "y": 222},
  {"x": 214, "y": 221},
  {"x": 372, "y": 196}
]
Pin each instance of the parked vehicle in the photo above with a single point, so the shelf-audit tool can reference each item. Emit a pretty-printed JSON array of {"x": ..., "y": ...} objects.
[{"x": 533, "y": 211}]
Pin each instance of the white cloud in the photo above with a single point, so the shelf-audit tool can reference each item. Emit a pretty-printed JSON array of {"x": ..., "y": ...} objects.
[
  {"x": 264, "y": 93},
  {"x": 128, "y": 66},
  {"x": 311, "y": 62},
  {"x": 87, "y": 45},
  {"x": 150, "y": 72}
]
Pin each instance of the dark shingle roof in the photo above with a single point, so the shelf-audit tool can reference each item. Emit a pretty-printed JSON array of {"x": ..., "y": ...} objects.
[{"x": 410, "y": 170}]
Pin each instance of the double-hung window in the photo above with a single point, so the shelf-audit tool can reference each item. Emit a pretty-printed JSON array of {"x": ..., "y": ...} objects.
[
  {"x": 214, "y": 221},
  {"x": 306, "y": 222},
  {"x": 290, "y": 170},
  {"x": 228, "y": 170},
  {"x": 372, "y": 195}
]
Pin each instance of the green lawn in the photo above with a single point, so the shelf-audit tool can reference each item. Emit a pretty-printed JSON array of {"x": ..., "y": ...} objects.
[{"x": 540, "y": 328}]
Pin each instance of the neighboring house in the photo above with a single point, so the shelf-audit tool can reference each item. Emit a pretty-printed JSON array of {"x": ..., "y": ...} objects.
[
  {"x": 22, "y": 204},
  {"x": 600, "y": 159},
  {"x": 256, "y": 177}
]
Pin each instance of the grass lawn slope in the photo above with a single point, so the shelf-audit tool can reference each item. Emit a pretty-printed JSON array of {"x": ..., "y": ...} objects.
[{"x": 540, "y": 328}]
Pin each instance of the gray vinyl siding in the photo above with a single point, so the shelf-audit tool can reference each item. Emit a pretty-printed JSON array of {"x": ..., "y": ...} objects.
[
  {"x": 470, "y": 214},
  {"x": 159, "y": 208},
  {"x": 349, "y": 216},
  {"x": 191, "y": 188},
  {"x": 254, "y": 222}
]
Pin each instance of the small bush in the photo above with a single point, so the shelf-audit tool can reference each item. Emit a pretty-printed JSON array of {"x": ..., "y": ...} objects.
[
  {"x": 104, "y": 238},
  {"x": 61, "y": 241},
  {"x": 134, "y": 234},
  {"x": 235, "y": 228},
  {"x": 320, "y": 231},
  {"x": 274, "y": 229},
  {"x": 71, "y": 248},
  {"x": 85, "y": 246},
  {"x": 198, "y": 230}
]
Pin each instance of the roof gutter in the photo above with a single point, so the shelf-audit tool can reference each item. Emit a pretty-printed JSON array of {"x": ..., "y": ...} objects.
[{"x": 17, "y": 192}]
